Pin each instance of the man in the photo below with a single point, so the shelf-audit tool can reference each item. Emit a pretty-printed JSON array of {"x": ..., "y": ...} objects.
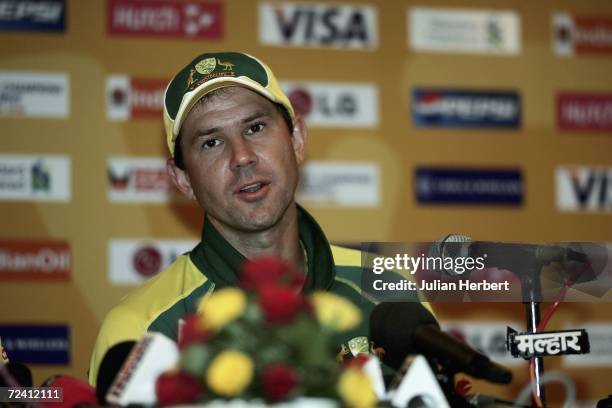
[{"x": 236, "y": 145}]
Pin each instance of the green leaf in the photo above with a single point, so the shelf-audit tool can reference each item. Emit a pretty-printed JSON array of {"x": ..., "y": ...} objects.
[{"x": 195, "y": 358}]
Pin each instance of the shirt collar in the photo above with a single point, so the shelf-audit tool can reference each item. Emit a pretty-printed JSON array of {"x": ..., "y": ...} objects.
[{"x": 220, "y": 261}]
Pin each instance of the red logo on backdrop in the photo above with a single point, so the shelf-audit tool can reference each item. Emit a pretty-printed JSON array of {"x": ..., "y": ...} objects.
[
  {"x": 144, "y": 96},
  {"x": 151, "y": 180},
  {"x": 584, "y": 111},
  {"x": 592, "y": 35},
  {"x": 34, "y": 260},
  {"x": 118, "y": 181},
  {"x": 147, "y": 261},
  {"x": 165, "y": 18},
  {"x": 147, "y": 97},
  {"x": 301, "y": 100},
  {"x": 142, "y": 180}
]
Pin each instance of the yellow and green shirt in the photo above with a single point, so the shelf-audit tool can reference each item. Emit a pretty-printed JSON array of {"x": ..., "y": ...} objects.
[{"x": 160, "y": 302}]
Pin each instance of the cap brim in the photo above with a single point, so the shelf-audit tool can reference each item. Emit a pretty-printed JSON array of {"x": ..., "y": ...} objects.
[{"x": 191, "y": 98}]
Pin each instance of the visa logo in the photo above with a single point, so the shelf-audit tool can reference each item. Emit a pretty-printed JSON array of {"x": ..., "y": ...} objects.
[
  {"x": 584, "y": 189},
  {"x": 318, "y": 25}
]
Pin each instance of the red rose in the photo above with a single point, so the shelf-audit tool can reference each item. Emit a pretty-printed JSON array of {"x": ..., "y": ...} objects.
[
  {"x": 177, "y": 388},
  {"x": 280, "y": 304},
  {"x": 192, "y": 331},
  {"x": 266, "y": 270},
  {"x": 358, "y": 361},
  {"x": 278, "y": 380}
]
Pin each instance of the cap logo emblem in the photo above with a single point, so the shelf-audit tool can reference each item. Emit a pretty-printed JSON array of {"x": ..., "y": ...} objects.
[
  {"x": 359, "y": 345},
  {"x": 206, "y": 66},
  {"x": 190, "y": 78},
  {"x": 227, "y": 66}
]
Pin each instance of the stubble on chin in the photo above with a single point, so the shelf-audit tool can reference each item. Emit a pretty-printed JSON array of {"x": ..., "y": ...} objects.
[{"x": 256, "y": 221}]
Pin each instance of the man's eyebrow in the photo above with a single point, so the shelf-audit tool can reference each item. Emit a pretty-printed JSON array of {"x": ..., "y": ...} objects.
[
  {"x": 206, "y": 132},
  {"x": 254, "y": 116},
  {"x": 250, "y": 118}
]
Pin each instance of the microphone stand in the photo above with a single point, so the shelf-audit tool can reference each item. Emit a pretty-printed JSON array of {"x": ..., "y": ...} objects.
[
  {"x": 523, "y": 261},
  {"x": 532, "y": 292}
]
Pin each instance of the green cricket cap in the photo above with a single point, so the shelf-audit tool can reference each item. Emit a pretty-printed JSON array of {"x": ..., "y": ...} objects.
[{"x": 212, "y": 71}]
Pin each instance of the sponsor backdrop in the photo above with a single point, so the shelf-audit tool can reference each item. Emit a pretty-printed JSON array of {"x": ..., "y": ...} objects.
[{"x": 487, "y": 118}]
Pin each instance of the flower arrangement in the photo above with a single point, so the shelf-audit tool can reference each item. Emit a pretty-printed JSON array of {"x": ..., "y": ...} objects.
[{"x": 264, "y": 340}]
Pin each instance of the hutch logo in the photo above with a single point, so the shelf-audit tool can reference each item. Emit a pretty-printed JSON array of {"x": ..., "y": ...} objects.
[
  {"x": 164, "y": 18},
  {"x": 584, "y": 111}
]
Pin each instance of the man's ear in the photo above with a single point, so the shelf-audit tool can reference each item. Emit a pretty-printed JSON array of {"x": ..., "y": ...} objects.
[
  {"x": 298, "y": 138},
  {"x": 180, "y": 179}
]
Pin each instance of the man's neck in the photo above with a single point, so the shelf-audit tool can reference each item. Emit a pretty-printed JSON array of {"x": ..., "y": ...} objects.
[{"x": 281, "y": 240}]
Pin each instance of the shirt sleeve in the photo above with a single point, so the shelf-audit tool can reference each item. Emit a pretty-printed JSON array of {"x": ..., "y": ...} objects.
[{"x": 120, "y": 324}]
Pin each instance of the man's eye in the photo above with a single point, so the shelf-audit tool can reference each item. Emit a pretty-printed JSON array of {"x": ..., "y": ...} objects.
[
  {"x": 210, "y": 143},
  {"x": 257, "y": 127}
]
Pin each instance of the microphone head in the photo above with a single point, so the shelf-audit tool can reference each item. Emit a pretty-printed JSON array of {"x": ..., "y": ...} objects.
[
  {"x": 392, "y": 326},
  {"x": 75, "y": 392},
  {"x": 109, "y": 367},
  {"x": 152, "y": 355},
  {"x": 459, "y": 238},
  {"x": 451, "y": 246},
  {"x": 19, "y": 372}
]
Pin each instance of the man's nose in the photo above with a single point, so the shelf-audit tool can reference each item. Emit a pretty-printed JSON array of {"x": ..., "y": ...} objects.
[{"x": 243, "y": 154}]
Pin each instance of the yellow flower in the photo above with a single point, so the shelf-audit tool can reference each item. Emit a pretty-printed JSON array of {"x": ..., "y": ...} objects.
[
  {"x": 221, "y": 307},
  {"x": 356, "y": 389},
  {"x": 230, "y": 373},
  {"x": 335, "y": 311}
]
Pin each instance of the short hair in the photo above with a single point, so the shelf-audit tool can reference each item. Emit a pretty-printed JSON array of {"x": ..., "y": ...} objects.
[{"x": 178, "y": 153}]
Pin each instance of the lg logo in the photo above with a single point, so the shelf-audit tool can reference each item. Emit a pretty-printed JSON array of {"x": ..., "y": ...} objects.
[
  {"x": 334, "y": 104},
  {"x": 342, "y": 104}
]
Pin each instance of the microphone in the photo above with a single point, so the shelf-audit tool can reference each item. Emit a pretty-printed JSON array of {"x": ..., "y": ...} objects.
[
  {"x": 408, "y": 328},
  {"x": 514, "y": 256},
  {"x": 75, "y": 392},
  {"x": 110, "y": 366},
  {"x": 135, "y": 383},
  {"x": 13, "y": 374}
]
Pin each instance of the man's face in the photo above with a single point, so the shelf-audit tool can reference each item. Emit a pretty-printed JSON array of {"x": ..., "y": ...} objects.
[{"x": 241, "y": 161}]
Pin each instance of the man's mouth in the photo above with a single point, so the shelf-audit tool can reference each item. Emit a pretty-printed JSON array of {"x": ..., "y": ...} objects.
[{"x": 253, "y": 187}]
